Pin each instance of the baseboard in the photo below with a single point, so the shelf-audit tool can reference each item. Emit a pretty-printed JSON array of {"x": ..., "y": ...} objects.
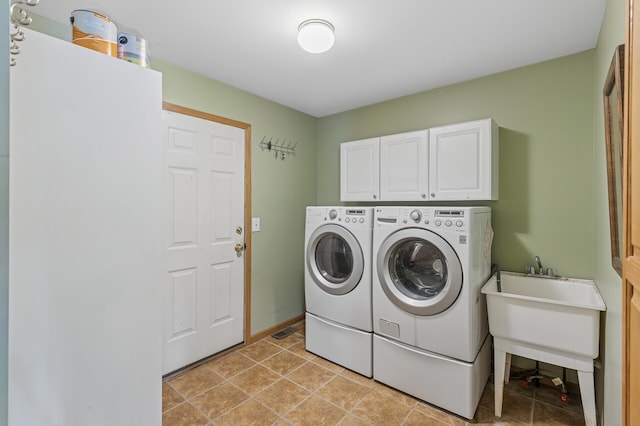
[{"x": 271, "y": 330}]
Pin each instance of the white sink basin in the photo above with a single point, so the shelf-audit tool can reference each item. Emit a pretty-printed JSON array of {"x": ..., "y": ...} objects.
[
  {"x": 554, "y": 315},
  {"x": 556, "y": 321}
]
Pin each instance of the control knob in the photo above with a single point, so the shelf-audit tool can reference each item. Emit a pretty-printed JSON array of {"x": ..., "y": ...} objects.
[
  {"x": 415, "y": 216},
  {"x": 333, "y": 214}
]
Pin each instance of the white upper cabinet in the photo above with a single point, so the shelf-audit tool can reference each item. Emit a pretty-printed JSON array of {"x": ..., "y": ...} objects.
[
  {"x": 403, "y": 166},
  {"x": 458, "y": 162},
  {"x": 360, "y": 170},
  {"x": 464, "y": 161}
]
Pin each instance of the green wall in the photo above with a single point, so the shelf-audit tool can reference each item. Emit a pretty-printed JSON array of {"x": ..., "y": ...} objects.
[
  {"x": 4, "y": 212},
  {"x": 609, "y": 381},
  {"x": 545, "y": 114}
]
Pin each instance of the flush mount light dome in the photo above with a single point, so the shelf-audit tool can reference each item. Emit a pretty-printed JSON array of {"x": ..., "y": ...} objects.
[{"x": 316, "y": 35}]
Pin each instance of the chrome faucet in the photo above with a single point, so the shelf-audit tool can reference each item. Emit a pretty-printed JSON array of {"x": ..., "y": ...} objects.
[
  {"x": 538, "y": 270},
  {"x": 539, "y": 263}
]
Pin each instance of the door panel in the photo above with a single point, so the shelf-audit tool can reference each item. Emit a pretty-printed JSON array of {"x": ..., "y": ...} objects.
[
  {"x": 631, "y": 223},
  {"x": 221, "y": 292},
  {"x": 183, "y": 284},
  {"x": 182, "y": 186},
  {"x": 204, "y": 295}
]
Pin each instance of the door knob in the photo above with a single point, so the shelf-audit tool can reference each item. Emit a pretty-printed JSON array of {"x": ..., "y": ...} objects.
[{"x": 239, "y": 248}]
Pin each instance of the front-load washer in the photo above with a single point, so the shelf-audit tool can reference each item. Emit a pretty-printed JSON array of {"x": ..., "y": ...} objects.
[
  {"x": 428, "y": 312},
  {"x": 337, "y": 282}
]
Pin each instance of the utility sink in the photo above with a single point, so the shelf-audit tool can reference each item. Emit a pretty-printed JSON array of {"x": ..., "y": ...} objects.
[
  {"x": 557, "y": 314},
  {"x": 550, "y": 319}
]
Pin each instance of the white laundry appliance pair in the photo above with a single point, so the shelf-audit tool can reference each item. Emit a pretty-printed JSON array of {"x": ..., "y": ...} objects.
[
  {"x": 337, "y": 279},
  {"x": 429, "y": 317}
]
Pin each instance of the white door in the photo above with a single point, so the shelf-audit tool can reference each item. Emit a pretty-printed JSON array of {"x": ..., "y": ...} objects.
[{"x": 204, "y": 280}]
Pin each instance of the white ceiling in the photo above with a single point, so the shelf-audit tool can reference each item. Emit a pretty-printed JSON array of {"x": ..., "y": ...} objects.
[{"x": 384, "y": 48}]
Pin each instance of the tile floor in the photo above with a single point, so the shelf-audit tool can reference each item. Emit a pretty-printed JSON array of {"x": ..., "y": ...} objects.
[{"x": 277, "y": 382}]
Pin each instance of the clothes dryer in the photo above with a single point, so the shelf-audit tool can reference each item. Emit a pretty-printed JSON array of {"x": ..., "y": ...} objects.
[
  {"x": 338, "y": 242},
  {"x": 429, "y": 315}
]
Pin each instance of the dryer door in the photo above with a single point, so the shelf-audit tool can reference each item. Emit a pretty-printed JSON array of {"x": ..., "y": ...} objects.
[
  {"x": 335, "y": 259},
  {"x": 419, "y": 271}
]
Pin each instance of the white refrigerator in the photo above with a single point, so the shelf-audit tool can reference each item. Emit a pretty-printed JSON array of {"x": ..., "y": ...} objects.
[{"x": 86, "y": 235}]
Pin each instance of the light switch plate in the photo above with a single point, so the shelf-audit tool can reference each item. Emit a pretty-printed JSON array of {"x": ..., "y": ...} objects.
[{"x": 255, "y": 224}]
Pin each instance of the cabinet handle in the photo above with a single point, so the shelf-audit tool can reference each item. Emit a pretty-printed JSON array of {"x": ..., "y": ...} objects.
[
  {"x": 424, "y": 195},
  {"x": 375, "y": 197},
  {"x": 433, "y": 195}
]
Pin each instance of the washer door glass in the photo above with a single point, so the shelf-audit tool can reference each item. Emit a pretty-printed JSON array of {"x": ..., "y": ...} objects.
[
  {"x": 419, "y": 271},
  {"x": 335, "y": 259}
]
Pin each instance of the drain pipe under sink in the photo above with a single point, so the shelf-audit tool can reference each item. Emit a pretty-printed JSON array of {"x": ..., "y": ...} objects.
[{"x": 496, "y": 269}]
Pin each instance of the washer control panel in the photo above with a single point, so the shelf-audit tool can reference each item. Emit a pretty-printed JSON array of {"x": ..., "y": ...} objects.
[{"x": 348, "y": 215}]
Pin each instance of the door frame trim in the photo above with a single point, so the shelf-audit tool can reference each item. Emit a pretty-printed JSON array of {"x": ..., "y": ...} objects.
[{"x": 247, "y": 199}]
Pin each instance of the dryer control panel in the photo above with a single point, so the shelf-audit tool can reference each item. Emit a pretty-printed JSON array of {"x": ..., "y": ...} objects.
[
  {"x": 461, "y": 220},
  {"x": 436, "y": 218}
]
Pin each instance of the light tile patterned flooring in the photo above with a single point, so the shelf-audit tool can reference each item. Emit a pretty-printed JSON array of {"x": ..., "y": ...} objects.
[{"x": 277, "y": 382}]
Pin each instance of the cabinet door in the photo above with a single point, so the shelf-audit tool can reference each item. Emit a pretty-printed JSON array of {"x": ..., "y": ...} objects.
[
  {"x": 463, "y": 161},
  {"x": 359, "y": 170},
  {"x": 403, "y": 166}
]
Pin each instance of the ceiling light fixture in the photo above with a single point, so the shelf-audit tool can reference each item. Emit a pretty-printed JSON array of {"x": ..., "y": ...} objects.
[{"x": 316, "y": 35}]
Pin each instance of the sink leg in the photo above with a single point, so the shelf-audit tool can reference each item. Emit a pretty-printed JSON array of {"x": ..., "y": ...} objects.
[
  {"x": 499, "y": 367},
  {"x": 585, "y": 379},
  {"x": 507, "y": 368}
]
